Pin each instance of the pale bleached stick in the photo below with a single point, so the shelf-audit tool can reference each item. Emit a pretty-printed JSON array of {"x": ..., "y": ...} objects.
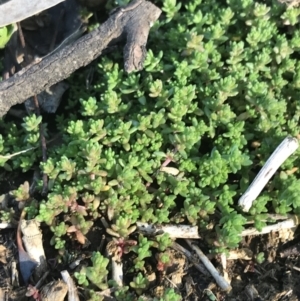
[
  {"x": 116, "y": 263},
  {"x": 287, "y": 224},
  {"x": 33, "y": 242},
  {"x": 271, "y": 216},
  {"x": 14, "y": 274},
  {"x": 224, "y": 285},
  {"x": 7, "y": 157},
  {"x": 72, "y": 290},
  {"x": 117, "y": 272},
  {"x": 286, "y": 148},
  {"x": 5, "y": 225},
  {"x": 174, "y": 231}
]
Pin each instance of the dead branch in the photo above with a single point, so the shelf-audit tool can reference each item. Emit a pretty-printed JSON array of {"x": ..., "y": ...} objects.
[{"x": 132, "y": 22}]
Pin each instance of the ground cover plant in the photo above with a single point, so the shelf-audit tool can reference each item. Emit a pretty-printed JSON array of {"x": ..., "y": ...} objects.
[{"x": 178, "y": 142}]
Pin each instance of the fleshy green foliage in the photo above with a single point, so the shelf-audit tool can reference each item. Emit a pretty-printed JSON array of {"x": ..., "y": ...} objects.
[
  {"x": 22, "y": 193},
  {"x": 163, "y": 261},
  {"x": 93, "y": 296},
  {"x": 180, "y": 141},
  {"x": 20, "y": 143},
  {"x": 139, "y": 283},
  {"x": 5, "y": 34},
  {"x": 170, "y": 295},
  {"x": 122, "y": 294},
  {"x": 122, "y": 228},
  {"x": 142, "y": 249},
  {"x": 260, "y": 258},
  {"x": 288, "y": 197},
  {"x": 59, "y": 231},
  {"x": 228, "y": 232},
  {"x": 6, "y": 215},
  {"x": 164, "y": 241},
  {"x": 32, "y": 209},
  {"x": 96, "y": 273}
]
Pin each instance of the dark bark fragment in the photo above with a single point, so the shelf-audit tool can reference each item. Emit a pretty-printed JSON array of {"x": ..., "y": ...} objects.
[{"x": 133, "y": 23}]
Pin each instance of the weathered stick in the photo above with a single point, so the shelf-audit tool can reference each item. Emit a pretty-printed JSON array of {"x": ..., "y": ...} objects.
[
  {"x": 117, "y": 271},
  {"x": 33, "y": 242},
  {"x": 219, "y": 279},
  {"x": 133, "y": 23},
  {"x": 174, "y": 231},
  {"x": 290, "y": 223},
  {"x": 281, "y": 153},
  {"x": 190, "y": 257},
  {"x": 72, "y": 290}
]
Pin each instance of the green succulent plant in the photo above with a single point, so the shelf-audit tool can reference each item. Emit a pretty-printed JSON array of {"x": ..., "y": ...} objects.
[{"x": 178, "y": 142}]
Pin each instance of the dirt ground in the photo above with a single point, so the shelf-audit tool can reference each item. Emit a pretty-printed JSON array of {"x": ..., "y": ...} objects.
[{"x": 276, "y": 279}]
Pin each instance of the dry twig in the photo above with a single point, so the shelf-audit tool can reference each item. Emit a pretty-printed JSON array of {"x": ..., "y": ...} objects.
[
  {"x": 174, "y": 231},
  {"x": 219, "y": 278},
  {"x": 287, "y": 147}
]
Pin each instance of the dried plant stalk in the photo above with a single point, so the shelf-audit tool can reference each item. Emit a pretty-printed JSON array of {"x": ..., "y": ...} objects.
[
  {"x": 224, "y": 285},
  {"x": 174, "y": 231},
  {"x": 286, "y": 148},
  {"x": 72, "y": 290},
  {"x": 287, "y": 224}
]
